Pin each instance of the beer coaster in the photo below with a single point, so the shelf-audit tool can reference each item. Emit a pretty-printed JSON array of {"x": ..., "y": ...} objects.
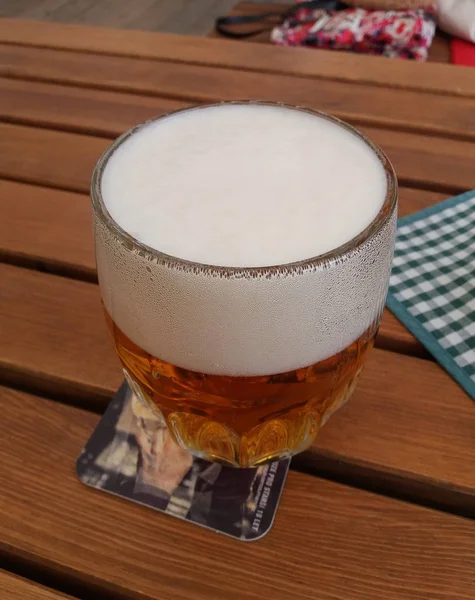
[{"x": 131, "y": 454}]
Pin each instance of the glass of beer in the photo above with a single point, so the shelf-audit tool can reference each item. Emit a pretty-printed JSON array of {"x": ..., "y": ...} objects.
[{"x": 243, "y": 254}]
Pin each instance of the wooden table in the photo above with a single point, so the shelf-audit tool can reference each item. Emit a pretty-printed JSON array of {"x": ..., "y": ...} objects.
[{"x": 382, "y": 506}]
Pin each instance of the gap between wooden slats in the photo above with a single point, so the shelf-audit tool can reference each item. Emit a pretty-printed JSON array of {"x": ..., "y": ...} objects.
[
  {"x": 66, "y": 160},
  {"x": 332, "y": 532},
  {"x": 14, "y": 587},
  {"x": 50, "y": 230},
  {"x": 41, "y": 151},
  {"x": 408, "y": 420},
  {"x": 401, "y": 109},
  {"x": 242, "y": 55}
]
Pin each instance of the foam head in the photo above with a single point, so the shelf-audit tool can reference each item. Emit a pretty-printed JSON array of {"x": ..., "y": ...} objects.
[{"x": 238, "y": 189}]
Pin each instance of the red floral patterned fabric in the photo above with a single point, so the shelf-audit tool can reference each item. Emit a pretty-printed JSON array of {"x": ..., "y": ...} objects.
[{"x": 397, "y": 34}]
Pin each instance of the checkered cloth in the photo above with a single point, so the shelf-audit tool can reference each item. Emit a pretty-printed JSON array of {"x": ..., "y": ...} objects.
[{"x": 432, "y": 286}]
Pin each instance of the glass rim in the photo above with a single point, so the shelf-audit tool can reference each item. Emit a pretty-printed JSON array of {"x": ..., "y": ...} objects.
[{"x": 340, "y": 253}]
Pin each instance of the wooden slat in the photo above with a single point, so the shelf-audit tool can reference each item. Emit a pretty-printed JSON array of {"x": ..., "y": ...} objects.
[
  {"x": 56, "y": 363},
  {"x": 427, "y": 162},
  {"x": 47, "y": 229},
  {"x": 37, "y": 154},
  {"x": 329, "y": 541},
  {"x": 419, "y": 424},
  {"x": 109, "y": 114},
  {"x": 54, "y": 226},
  {"x": 421, "y": 161},
  {"x": 13, "y": 587},
  {"x": 411, "y": 200},
  {"x": 435, "y": 114},
  {"x": 81, "y": 110},
  {"x": 66, "y": 160},
  {"x": 394, "y": 336},
  {"x": 47, "y": 157},
  {"x": 440, "y": 163},
  {"x": 445, "y": 79},
  {"x": 439, "y": 51},
  {"x": 51, "y": 230}
]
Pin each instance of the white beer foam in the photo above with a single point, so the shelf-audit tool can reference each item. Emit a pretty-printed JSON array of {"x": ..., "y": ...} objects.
[{"x": 243, "y": 186}]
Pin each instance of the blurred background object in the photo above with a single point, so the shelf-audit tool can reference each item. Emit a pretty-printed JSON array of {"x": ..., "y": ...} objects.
[
  {"x": 190, "y": 17},
  {"x": 457, "y": 17},
  {"x": 197, "y": 17}
]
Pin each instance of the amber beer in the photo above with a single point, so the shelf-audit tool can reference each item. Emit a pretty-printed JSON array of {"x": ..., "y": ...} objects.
[
  {"x": 245, "y": 421},
  {"x": 243, "y": 315}
]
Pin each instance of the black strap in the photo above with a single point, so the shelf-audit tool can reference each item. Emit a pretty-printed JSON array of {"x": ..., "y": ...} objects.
[{"x": 271, "y": 19}]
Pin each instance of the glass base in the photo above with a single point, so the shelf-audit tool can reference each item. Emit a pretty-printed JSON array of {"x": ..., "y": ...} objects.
[{"x": 276, "y": 439}]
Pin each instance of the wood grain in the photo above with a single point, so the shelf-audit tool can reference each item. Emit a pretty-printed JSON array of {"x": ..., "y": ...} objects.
[
  {"x": 47, "y": 229},
  {"x": 68, "y": 352},
  {"x": 329, "y": 541},
  {"x": 13, "y": 587},
  {"x": 66, "y": 160},
  {"x": 51, "y": 230},
  {"x": 108, "y": 114},
  {"x": 406, "y": 109},
  {"x": 419, "y": 424},
  {"x": 413, "y": 200},
  {"x": 80, "y": 110},
  {"x": 444, "y": 79},
  {"x": 408, "y": 431},
  {"x": 439, "y": 51},
  {"x": 53, "y": 226},
  {"x": 49, "y": 158},
  {"x": 444, "y": 164}
]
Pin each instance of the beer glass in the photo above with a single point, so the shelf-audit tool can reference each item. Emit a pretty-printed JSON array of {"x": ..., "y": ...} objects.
[{"x": 244, "y": 364}]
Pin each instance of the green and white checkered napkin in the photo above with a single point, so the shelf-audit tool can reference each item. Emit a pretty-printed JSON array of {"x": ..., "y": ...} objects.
[{"x": 432, "y": 285}]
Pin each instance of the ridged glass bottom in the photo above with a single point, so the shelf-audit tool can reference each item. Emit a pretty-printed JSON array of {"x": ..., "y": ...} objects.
[{"x": 243, "y": 421}]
